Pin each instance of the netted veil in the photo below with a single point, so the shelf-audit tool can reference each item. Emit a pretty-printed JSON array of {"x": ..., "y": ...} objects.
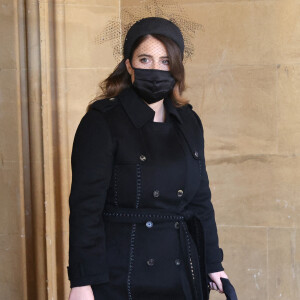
[{"x": 117, "y": 27}]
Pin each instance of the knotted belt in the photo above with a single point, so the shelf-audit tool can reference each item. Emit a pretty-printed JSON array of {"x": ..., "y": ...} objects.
[{"x": 193, "y": 253}]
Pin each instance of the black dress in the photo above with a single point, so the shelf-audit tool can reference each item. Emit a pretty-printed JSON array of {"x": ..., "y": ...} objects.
[{"x": 141, "y": 220}]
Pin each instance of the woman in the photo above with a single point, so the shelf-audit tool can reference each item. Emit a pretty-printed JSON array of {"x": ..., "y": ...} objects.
[{"x": 142, "y": 224}]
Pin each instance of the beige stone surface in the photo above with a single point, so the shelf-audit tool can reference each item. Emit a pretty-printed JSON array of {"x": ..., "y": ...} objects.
[
  {"x": 284, "y": 276},
  {"x": 9, "y": 129},
  {"x": 256, "y": 191},
  {"x": 8, "y": 52},
  {"x": 237, "y": 106},
  {"x": 288, "y": 95},
  {"x": 10, "y": 217},
  {"x": 113, "y": 3},
  {"x": 83, "y": 23},
  {"x": 12, "y": 237},
  {"x": 261, "y": 32},
  {"x": 243, "y": 82},
  {"x": 10, "y": 253},
  {"x": 246, "y": 261}
]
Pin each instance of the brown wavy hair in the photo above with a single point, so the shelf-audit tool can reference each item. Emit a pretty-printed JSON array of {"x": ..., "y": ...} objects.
[{"x": 120, "y": 79}]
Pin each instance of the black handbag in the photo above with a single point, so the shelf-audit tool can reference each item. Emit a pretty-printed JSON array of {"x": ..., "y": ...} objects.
[{"x": 228, "y": 289}]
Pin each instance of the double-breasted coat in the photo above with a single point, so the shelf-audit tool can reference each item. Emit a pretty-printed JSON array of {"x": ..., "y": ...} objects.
[{"x": 142, "y": 224}]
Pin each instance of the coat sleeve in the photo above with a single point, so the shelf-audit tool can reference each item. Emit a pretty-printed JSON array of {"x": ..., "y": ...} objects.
[
  {"x": 91, "y": 162},
  {"x": 203, "y": 207}
]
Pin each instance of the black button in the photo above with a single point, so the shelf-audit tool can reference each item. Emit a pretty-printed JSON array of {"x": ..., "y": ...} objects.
[
  {"x": 179, "y": 193},
  {"x": 150, "y": 262},
  {"x": 177, "y": 261},
  {"x": 156, "y": 193},
  {"x": 176, "y": 225},
  {"x": 196, "y": 154}
]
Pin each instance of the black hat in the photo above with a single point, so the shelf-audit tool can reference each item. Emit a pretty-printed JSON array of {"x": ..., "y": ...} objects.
[{"x": 152, "y": 25}]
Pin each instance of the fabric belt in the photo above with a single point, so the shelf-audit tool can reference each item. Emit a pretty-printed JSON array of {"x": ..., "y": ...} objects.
[{"x": 191, "y": 255}]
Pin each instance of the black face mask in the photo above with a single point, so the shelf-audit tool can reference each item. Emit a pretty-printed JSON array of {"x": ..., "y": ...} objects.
[{"x": 152, "y": 84}]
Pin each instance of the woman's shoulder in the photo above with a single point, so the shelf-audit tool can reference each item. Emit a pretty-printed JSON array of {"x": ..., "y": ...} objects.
[
  {"x": 99, "y": 110},
  {"x": 105, "y": 104},
  {"x": 190, "y": 114},
  {"x": 96, "y": 115},
  {"x": 187, "y": 108}
]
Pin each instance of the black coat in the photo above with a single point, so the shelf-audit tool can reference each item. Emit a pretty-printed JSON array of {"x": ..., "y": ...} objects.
[{"x": 142, "y": 224}]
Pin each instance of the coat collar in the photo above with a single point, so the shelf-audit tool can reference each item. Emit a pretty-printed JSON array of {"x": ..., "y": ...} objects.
[{"x": 140, "y": 112}]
